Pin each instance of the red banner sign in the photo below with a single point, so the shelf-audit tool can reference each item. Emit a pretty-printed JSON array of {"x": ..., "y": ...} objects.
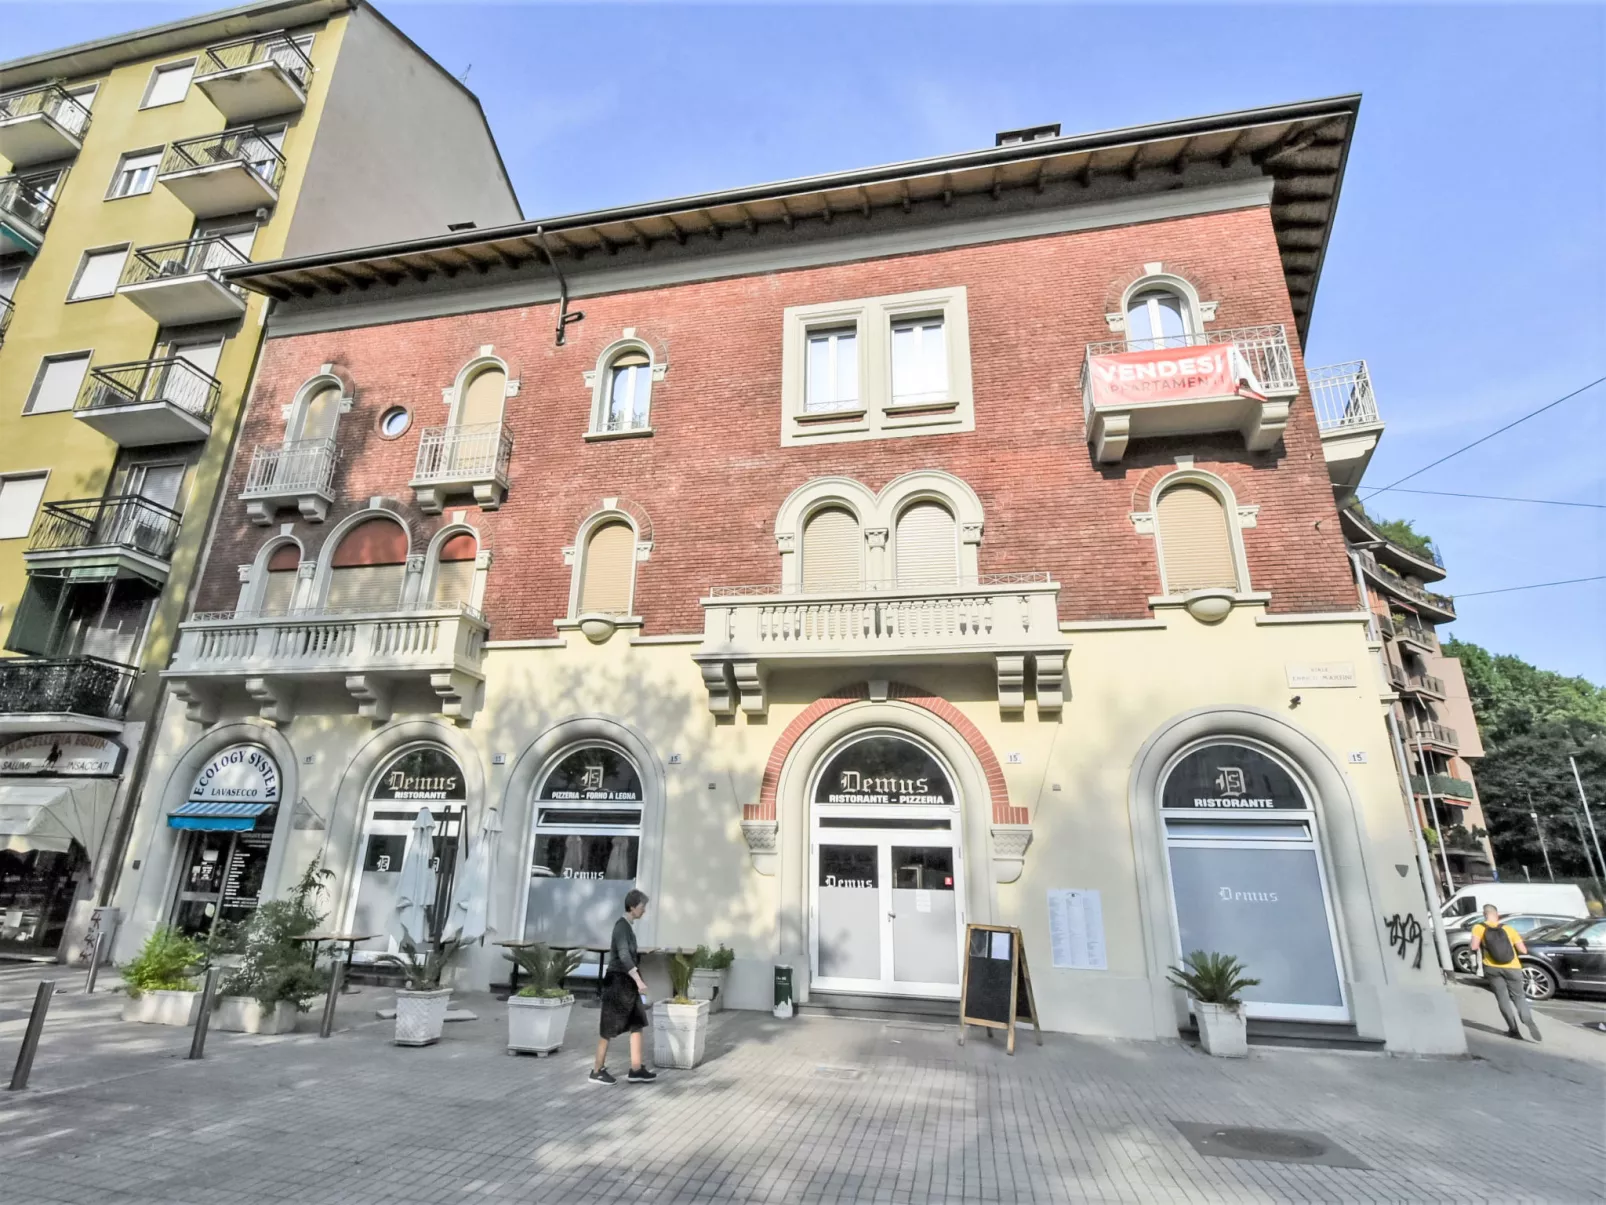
[{"x": 1172, "y": 374}]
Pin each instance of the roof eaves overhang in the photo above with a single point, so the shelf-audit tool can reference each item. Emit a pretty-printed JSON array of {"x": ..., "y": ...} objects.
[{"x": 1303, "y": 147}]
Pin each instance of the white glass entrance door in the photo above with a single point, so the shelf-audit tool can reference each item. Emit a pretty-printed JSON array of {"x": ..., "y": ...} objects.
[{"x": 886, "y": 908}]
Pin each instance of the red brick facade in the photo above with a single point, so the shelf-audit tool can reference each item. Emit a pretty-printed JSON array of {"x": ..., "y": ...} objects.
[{"x": 714, "y": 474}]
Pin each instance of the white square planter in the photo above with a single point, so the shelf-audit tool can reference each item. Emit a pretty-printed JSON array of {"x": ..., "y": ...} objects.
[
  {"x": 536, "y": 1024},
  {"x": 709, "y": 985},
  {"x": 420, "y": 1016},
  {"x": 163, "y": 1008},
  {"x": 1223, "y": 1031},
  {"x": 679, "y": 1033},
  {"x": 245, "y": 1014}
]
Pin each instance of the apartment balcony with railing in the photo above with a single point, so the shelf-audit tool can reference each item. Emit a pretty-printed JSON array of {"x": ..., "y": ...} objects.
[
  {"x": 1347, "y": 417},
  {"x": 1440, "y": 608},
  {"x": 41, "y": 125},
  {"x": 1416, "y": 635},
  {"x": 462, "y": 460},
  {"x": 149, "y": 402},
  {"x": 6, "y": 310},
  {"x": 1444, "y": 786},
  {"x": 1422, "y": 686},
  {"x": 283, "y": 662},
  {"x": 1229, "y": 380},
  {"x": 296, "y": 474},
  {"x": 236, "y": 171},
  {"x": 26, "y": 208},
  {"x": 180, "y": 284},
  {"x": 252, "y": 78},
  {"x": 48, "y": 694},
  {"x": 1434, "y": 736},
  {"x": 1420, "y": 561},
  {"x": 121, "y": 536},
  {"x": 1008, "y": 621}
]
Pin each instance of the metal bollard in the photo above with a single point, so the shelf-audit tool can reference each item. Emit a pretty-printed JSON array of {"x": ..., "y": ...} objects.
[
  {"x": 198, "y": 1038},
  {"x": 337, "y": 979},
  {"x": 30, "y": 1039},
  {"x": 94, "y": 963}
]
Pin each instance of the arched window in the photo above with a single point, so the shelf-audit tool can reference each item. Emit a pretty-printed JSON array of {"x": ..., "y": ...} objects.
[
  {"x": 1158, "y": 318},
  {"x": 480, "y": 398},
  {"x": 926, "y": 547},
  {"x": 607, "y": 571},
  {"x": 629, "y": 397},
  {"x": 279, "y": 584},
  {"x": 831, "y": 556},
  {"x": 588, "y": 813},
  {"x": 454, "y": 571},
  {"x": 1196, "y": 550},
  {"x": 319, "y": 412},
  {"x": 369, "y": 568}
]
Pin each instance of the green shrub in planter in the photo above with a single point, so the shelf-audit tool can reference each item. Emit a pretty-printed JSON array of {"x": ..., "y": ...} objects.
[
  {"x": 546, "y": 969},
  {"x": 164, "y": 964},
  {"x": 273, "y": 966},
  {"x": 1212, "y": 978},
  {"x": 718, "y": 959}
]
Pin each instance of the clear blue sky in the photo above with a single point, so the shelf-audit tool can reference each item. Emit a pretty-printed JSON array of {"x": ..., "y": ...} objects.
[{"x": 1466, "y": 265}]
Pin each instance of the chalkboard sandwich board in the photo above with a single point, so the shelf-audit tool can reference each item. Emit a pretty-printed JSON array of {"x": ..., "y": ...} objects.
[{"x": 997, "y": 987}]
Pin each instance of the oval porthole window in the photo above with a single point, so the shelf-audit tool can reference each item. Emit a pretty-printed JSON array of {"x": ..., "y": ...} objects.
[{"x": 394, "y": 422}]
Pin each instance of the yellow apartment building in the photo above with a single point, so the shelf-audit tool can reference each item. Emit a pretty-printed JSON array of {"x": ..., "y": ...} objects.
[{"x": 133, "y": 171}]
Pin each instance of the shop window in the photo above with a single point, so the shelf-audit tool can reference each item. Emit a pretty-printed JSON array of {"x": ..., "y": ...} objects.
[
  {"x": 369, "y": 568},
  {"x": 1196, "y": 546},
  {"x": 227, "y": 821},
  {"x": 926, "y": 548},
  {"x": 831, "y": 551},
  {"x": 608, "y": 569},
  {"x": 454, "y": 571}
]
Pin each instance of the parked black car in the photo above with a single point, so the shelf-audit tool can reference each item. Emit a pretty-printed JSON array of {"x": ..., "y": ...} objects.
[
  {"x": 1565, "y": 958},
  {"x": 1460, "y": 936}
]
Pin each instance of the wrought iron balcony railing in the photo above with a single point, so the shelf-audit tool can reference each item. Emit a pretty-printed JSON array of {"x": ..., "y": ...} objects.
[
  {"x": 1425, "y": 552},
  {"x": 192, "y": 257},
  {"x": 277, "y": 48},
  {"x": 1440, "y": 603},
  {"x": 126, "y": 521},
  {"x": 1445, "y": 785},
  {"x": 1430, "y": 733},
  {"x": 446, "y": 454},
  {"x": 23, "y": 199},
  {"x": 1343, "y": 396},
  {"x": 53, "y": 101},
  {"x": 298, "y": 466},
  {"x": 173, "y": 380},
  {"x": 1408, "y": 627},
  {"x": 1425, "y": 684},
  {"x": 5, "y": 317},
  {"x": 249, "y": 148},
  {"x": 74, "y": 685},
  {"x": 1263, "y": 348}
]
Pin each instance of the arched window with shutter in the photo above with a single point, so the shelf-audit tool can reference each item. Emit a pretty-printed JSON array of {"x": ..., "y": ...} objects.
[
  {"x": 369, "y": 568},
  {"x": 926, "y": 546},
  {"x": 454, "y": 571},
  {"x": 831, "y": 551},
  {"x": 279, "y": 581},
  {"x": 319, "y": 412},
  {"x": 1196, "y": 546},
  {"x": 480, "y": 398},
  {"x": 629, "y": 397},
  {"x": 608, "y": 569}
]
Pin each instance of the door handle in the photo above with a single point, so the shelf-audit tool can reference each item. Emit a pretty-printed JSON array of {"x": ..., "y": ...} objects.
[{"x": 892, "y": 916}]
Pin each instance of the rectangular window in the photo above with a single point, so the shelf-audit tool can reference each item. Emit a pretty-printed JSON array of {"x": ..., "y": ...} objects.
[
  {"x": 169, "y": 84},
  {"x": 135, "y": 175},
  {"x": 919, "y": 361},
  {"x": 833, "y": 370},
  {"x": 57, "y": 385},
  {"x": 98, "y": 274},
  {"x": 19, "y": 502}
]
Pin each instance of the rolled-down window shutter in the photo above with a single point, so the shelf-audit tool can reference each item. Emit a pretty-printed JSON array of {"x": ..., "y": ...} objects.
[
  {"x": 1194, "y": 541},
  {"x": 454, "y": 572},
  {"x": 831, "y": 551},
  {"x": 279, "y": 590},
  {"x": 927, "y": 550},
  {"x": 369, "y": 568},
  {"x": 320, "y": 414},
  {"x": 610, "y": 561},
  {"x": 482, "y": 399}
]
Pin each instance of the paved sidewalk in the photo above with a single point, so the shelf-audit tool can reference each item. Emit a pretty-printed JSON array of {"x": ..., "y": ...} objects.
[{"x": 810, "y": 1110}]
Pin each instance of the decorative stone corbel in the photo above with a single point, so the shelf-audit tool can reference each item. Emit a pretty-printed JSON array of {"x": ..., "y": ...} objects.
[
  {"x": 275, "y": 698},
  {"x": 721, "y": 687},
  {"x": 970, "y": 533},
  {"x": 1209, "y": 606},
  {"x": 1010, "y": 843},
  {"x": 1050, "y": 675},
  {"x": 598, "y": 626},
  {"x": 245, "y": 572},
  {"x": 1142, "y": 522},
  {"x": 459, "y": 694},
  {"x": 1265, "y": 427},
  {"x": 200, "y": 699},
  {"x": 762, "y": 837},
  {"x": 373, "y": 695},
  {"x": 749, "y": 677},
  {"x": 1248, "y": 515},
  {"x": 1011, "y": 681},
  {"x": 1111, "y": 432}
]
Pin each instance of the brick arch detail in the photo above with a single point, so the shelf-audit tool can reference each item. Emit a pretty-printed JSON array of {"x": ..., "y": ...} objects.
[
  {"x": 1243, "y": 487},
  {"x": 1003, "y": 811}
]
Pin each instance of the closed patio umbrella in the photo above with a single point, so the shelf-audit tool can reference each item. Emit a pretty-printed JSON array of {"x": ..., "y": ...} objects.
[
  {"x": 416, "y": 891},
  {"x": 471, "y": 902}
]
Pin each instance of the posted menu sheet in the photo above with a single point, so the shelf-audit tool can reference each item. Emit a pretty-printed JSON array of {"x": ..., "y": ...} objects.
[{"x": 1076, "y": 929}]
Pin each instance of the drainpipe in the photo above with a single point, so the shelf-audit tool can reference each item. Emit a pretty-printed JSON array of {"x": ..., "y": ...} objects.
[{"x": 1424, "y": 863}]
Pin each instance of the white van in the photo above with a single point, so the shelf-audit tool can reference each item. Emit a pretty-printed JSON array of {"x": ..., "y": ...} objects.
[{"x": 1543, "y": 899}]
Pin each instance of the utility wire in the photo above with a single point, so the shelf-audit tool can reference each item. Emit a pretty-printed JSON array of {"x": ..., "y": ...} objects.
[
  {"x": 1486, "y": 438},
  {"x": 1502, "y": 498},
  {"x": 1536, "y": 586}
]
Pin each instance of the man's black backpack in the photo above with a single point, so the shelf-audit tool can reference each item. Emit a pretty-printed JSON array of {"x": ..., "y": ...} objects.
[{"x": 1497, "y": 947}]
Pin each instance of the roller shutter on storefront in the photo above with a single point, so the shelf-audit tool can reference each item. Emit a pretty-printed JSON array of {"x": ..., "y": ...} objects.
[
  {"x": 831, "y": 551},
  {"x": 610, "y": 560},
  {"x": 927, "y": 549},
  {"x": 1195, "y": 544}
]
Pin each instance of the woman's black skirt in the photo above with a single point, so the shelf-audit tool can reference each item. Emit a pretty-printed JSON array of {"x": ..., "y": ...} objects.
[{"x": 622, "y": 1010}]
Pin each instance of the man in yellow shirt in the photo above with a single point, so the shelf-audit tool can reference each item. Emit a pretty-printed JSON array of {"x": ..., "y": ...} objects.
[{"x": 1500, "y": 946}]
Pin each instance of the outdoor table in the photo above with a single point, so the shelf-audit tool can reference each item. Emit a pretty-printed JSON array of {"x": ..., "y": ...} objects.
[{"x": 337, "y": 976}]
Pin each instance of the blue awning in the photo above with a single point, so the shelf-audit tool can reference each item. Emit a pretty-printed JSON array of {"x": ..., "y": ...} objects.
[{"x": 217, "y": 816}]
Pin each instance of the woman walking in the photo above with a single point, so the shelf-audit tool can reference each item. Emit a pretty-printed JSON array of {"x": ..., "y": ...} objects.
[{"x": 624, "y": 997}]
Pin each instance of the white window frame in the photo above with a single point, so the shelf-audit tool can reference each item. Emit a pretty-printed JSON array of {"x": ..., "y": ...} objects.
[
  {"x": 43, "y": 477},
  {"x": 877, "y": 415},
  {"x": 156, "y": 73},
  {"x": 122, "y": 169},
  {"x": 87, "y": 355},
  {"x": 83, "y": 266},
  {"x": 600, "y": 381}
]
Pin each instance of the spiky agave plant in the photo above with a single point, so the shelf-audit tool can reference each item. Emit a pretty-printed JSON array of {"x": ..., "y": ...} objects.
[
  {"x": 546, "y": 969},
  {"x": 1212, "y": 978}
]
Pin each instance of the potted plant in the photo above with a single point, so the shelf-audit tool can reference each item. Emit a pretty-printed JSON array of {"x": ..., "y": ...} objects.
[
  {"x": 1214, "y": 981},
  {"x": 421, "y": 1004},
  {"x": 679, "y": 1024},
  {"x": 710, "y": 975},
  {"x": 538, "y": 1016},
  {"x": 274, "y": 976},
  {"x": 158, "y": 980}
]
